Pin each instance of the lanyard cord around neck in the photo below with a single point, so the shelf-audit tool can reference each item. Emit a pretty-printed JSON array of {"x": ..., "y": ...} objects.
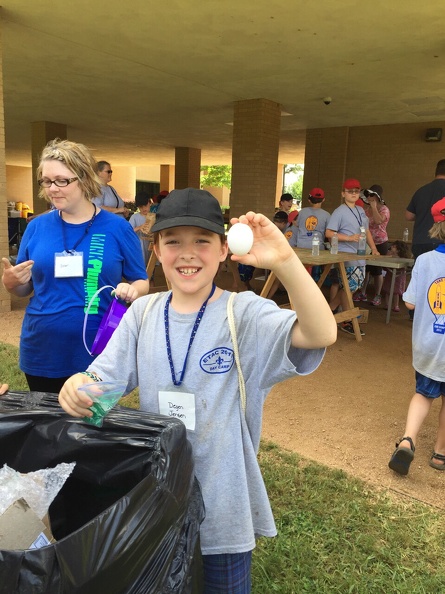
[
  {"x": 192, "y": 336},
  {"x": 115, "y": 195},
  {"x": 73, "y": 249},
  {"x": 359, "y": 220}
]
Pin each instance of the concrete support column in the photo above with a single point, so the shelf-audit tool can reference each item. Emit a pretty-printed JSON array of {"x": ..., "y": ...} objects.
[
  {"x": 280, "y": 183},
  {"x": 5, "y": 297},
  {"x": 256, "y": 136},
  {"x": 325, "y": 160},
  {"x": 167, "y": 178},
  {"x": 187, "y": 167},
  {"x": 41, "y": 134}
]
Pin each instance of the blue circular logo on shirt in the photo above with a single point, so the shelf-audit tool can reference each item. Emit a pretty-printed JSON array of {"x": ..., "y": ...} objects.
[{"x": 219, "y": 360}]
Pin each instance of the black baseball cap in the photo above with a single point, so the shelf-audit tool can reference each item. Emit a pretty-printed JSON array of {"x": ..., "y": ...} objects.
[{"x": 191, "y": 208}]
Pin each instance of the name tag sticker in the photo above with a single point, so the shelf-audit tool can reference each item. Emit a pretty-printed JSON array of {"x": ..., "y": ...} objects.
[
  {"x": 68, "y": 265},
  {"x": 180, "y": 405}
]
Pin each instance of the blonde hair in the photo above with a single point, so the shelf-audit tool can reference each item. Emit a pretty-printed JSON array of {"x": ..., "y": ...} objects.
[
  {"x": 78, "y": 158},
  {"x": 437, "y": 231}
]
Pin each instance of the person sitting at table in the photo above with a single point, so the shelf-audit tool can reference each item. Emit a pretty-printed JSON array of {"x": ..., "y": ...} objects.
[
  {"x": 109, "y": 199},
  {"x": 346, "y": 221},
  {"x": 399, "y": 249}
]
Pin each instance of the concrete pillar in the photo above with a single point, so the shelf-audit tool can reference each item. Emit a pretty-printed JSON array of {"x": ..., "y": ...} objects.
[
  {"x": 167, "y": 178},
  {"x": 256, "y": 136},
  {"x": 280, "y": 183},
  {"x": 325, "y": 160},
  {"x": 187, "y": 167},
  {"x": 41, "y": 134},
  {"x": 5, "y": 297}
]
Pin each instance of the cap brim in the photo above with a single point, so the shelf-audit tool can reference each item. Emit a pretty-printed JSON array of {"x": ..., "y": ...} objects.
[{"x": 188, "y": 221}]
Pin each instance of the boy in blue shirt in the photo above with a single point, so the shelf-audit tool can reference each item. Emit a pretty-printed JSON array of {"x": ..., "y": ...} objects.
[{"x": 426, "y": 294}]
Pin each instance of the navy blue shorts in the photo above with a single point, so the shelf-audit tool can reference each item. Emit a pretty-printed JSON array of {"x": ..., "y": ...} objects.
[
  {"x": 228, "y": 573},
  {"x": 428, "y": 387}
]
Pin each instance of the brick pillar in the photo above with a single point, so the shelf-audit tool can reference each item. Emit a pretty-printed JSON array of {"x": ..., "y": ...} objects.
[
  {"x": 280, "y": 180},
  {"x": 187, "y": 167},
  {"x": 5, "y": 297},
  {"x": 167, "y": 178},
  {"x": 325, "y": 161},
  {"x": 256, "y": 136},
  {"x": 41, "y": 134}
]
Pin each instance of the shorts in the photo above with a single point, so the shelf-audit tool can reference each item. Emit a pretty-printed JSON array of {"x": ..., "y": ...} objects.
[
  {"x": 428, "y": 387},
  {"x": 228, "y": 573},
  {"x": 356, "y": 277}
]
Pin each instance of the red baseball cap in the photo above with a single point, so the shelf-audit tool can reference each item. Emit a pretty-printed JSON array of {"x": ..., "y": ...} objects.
[
  {"x": 292, "y": 216},
  {"x": 438, "y": 211},
  {"x": 316, "y": 193},
  {"x": 351, "y": 183}
]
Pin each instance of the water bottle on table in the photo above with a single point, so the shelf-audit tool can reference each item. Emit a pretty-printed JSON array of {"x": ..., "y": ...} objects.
[
  {"x": 315, "y": 245},
  {"x": 362, "y": 242},
  {"x": 334, "y": 244}
]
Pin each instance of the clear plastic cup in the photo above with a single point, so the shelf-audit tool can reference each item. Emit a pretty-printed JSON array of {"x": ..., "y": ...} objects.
[{"x": 105, "y": 395}]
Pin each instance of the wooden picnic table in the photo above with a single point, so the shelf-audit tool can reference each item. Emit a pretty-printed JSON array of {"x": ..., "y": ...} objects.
[{"x": 327, "y": 260}]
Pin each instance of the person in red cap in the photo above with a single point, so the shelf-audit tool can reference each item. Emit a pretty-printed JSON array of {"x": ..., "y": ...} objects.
[
  {"x": 312, "y": 219},
  {"x": 426, "y": 293},
  {"x": 346, "y": 221}
]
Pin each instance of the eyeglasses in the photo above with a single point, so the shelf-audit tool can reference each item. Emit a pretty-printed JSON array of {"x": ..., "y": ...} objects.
[
  {"x": 60, "y": 183},
  {"x": 354, "y": 191},
  {"x": 108, "y": 171}
]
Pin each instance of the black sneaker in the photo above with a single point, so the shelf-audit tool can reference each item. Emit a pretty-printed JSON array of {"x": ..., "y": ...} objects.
[{"x": 349, "y": 328}]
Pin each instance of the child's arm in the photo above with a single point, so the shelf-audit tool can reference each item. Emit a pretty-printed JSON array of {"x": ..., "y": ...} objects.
[{"x": 315, "y": 326}]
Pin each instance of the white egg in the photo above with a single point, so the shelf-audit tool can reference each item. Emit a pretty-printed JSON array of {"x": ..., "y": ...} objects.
[{"x": 240, "y": 239}]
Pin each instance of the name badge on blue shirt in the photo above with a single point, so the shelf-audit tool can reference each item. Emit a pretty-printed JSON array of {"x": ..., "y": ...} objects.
[{"x": 67, "y": 265}]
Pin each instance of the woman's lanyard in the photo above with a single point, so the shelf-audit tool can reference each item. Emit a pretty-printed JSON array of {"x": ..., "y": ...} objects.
[
  {"x": 192, "y": 336},
  {"x": 115, "y": 195},
  {"x": 73, "y": 249},
  {"x": 359, "y": 220}
]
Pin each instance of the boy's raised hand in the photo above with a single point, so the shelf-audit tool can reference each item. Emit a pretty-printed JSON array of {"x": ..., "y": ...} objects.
[{"x": 270, "y": 247}]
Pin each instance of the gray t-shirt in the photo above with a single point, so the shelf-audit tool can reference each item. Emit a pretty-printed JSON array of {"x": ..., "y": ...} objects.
[
  {"x": 225, "y": 442},
  {"x": 109, "y": 197},
  {"x": 426, "y": 291},
  {"x": 310, "y": 220},
  {"x": 348, "y": 220}
]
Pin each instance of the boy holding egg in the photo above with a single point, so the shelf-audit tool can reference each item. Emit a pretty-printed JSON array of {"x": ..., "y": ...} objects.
[{"x": 182, "y": 355}]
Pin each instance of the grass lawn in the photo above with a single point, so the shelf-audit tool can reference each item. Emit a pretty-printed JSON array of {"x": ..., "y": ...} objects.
[{"x": 336, "y": 534}]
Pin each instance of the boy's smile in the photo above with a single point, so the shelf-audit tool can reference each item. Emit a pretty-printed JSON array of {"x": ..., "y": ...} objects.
[{"x": 190, "y": 257}]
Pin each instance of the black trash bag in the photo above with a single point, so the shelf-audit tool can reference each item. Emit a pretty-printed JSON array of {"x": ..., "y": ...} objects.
[{"x": 127, "y": 519}]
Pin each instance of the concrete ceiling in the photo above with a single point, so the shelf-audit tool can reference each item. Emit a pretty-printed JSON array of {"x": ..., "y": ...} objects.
[{"x": 135, "y": 79}]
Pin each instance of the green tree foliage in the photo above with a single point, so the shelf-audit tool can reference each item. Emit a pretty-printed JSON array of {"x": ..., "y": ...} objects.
[
  {"x": 216, "y": 176},
  {"x": 293, "y": 168},
  {"x": 296, "y": 189}
]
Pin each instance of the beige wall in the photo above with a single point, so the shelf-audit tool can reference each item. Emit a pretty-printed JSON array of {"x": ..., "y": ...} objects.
[
  {"x": 150, "y": 174},
  {"x": 397, "y": 157},
  {"x": 221, "y": 194},
  {"x": 19, "y": 184}
]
